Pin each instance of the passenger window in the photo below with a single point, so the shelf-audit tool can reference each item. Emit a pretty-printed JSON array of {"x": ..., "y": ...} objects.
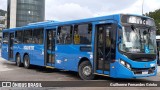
[
  {"x": 64, "y": 35},
  {"x": 38, "y": 36},
  {"x": 83, "y": 34},
  {"x": 18, "y": 37},
  {"x": 5, "y": 38},
  {"x": 28, "y": 36}
]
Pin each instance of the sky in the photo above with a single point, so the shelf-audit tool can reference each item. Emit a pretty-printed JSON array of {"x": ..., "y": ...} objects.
[{"x": 64, "y": 10}]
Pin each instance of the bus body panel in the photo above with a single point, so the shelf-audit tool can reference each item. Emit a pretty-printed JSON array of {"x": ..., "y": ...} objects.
[
  {"x": 122, "y": 72},
  {"x": 35, "y": 52},
  {"x": 68, "y": 57},
  {"x": 4, "y": 46}
]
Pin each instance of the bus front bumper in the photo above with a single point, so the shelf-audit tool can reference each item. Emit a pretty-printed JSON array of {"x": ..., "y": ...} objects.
[{"x": 122, "y": 72}]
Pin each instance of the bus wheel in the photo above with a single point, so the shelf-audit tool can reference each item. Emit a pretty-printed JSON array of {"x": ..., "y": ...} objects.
[
  {"x": 85, "y": 71},
  {"x": 26, "y": 62},
  {"x": 18, "y": 60}
]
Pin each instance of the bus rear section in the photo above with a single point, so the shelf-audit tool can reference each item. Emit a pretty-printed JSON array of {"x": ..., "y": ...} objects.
[{"x": 5, "y": 42}]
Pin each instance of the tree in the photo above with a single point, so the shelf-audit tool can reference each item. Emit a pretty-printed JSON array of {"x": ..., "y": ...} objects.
[{"x": 156, "y": 16}]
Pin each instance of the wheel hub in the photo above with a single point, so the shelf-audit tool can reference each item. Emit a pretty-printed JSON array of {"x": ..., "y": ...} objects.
[{"x": 87, "y": 70}]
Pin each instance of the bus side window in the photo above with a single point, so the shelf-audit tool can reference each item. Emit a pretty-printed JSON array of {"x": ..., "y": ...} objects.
[
  {"x": 28, "y": 36},
  {"x": 76, "y": 35},
  {"x": 5, "y": 38},
  {"x": 64, "y": 35},
  {"x": 18, "y": 37},
  {"x": 83, "y": 34},
  {"x": 38, "y": 36},
  {"x": 90, "y": 32},
  {"x": 58, "y": 35}
]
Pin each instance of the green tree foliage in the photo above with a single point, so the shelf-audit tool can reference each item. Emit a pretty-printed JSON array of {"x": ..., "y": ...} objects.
[{"x": 156, "y": 16}]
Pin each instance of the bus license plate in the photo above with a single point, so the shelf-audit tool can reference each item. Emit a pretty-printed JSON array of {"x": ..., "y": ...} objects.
[{"x": 145, "y": 72}]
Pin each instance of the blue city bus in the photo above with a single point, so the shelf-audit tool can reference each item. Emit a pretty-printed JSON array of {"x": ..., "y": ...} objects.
[{"x": 118, "y": 46}]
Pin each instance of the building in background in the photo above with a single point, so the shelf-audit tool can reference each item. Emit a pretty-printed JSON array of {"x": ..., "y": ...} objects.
[
  {"x": 23, "y": 12},
  {"x": 2, "y": 19}
]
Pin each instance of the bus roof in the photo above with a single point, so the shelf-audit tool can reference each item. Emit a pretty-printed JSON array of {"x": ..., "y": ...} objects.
[
  {"x": 55, "y": 23},
  {"x": 87, "y": 20},
  {"x": 41, "y": 23},
  {"x": 31, "y": 25},
  {"x": 102, "y": 18}
]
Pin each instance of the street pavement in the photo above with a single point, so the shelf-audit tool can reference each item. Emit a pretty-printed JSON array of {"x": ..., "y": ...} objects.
[{"x": 10, "y": 72}]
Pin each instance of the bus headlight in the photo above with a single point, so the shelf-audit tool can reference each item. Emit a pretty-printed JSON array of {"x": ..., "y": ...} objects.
[
  {"x": 128, "y": 66},
  {"x": 122, "y": 62},
  {"x": 152, "y": 64},
  {"x": 125, "y": 64}
]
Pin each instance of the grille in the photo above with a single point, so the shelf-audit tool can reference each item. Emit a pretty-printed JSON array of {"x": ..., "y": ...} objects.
[{"x": 141, "y": 70}]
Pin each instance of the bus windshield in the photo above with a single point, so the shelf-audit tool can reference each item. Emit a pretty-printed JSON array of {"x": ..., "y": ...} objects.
[{"x": 138, "y": 39}]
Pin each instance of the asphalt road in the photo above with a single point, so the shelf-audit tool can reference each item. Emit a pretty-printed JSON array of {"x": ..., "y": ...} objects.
[{"x": 10, "y": 72}]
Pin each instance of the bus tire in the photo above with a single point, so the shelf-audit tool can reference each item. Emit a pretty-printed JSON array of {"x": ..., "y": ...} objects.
[
  {"x": 85, "y": 71},
  {"x": 18, "y": 60},
  {"x": 26, "y": 62}
]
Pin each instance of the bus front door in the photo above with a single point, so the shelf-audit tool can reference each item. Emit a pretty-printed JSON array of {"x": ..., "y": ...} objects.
[
  {"x": 50, "y": 47},
  {"x": 10, "y": 47},
  {"x": 103, "y": 48}
]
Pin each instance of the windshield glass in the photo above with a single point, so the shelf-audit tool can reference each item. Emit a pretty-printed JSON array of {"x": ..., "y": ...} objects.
[{"x": 138, "y": 39}]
